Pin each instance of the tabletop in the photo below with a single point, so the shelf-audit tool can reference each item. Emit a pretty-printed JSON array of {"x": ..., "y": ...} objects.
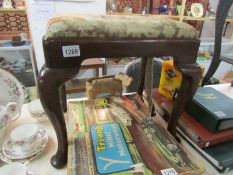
[{"x": 41, "y": 164}]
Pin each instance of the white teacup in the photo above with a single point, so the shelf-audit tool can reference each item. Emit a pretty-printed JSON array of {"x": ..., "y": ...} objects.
[
  {"x": 25, "y": 137},
  {"x": 14, "y": 169}
]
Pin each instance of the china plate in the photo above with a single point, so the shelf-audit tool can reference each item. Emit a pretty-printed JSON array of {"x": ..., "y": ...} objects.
[
  {"x": 9, "y": 150},
  {"x": 11, "y": 89},
  {"x": 197, "y": 10}
]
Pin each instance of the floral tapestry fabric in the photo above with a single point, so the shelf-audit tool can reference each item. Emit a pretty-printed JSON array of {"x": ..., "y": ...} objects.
[{"x": 119, "y": 26}]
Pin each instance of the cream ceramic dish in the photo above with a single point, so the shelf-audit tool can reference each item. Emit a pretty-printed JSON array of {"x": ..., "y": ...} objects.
[
  {"x": 14, "y": 169},
  {"x": 36, "y": 110}
]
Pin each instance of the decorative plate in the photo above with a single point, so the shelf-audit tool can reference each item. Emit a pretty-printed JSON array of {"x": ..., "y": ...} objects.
[
  {"x": 11, "y": 89},
  {"x": 11, "y": 152},
  {"x": 197, "y": 10}
]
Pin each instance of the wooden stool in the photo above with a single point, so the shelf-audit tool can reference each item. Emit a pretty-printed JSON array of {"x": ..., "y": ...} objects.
[{"x": 71, "y": 39}]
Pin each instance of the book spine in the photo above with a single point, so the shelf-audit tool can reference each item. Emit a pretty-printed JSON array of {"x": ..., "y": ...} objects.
[
  {"x": 202, "y": 116},
  {"x": 193, "y": 145}
]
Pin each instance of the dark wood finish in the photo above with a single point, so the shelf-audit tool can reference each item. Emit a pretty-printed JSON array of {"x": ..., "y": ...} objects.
[
  {"x": 58, "y": 70},
  {"x": 142, "y": 76},
  {"x": 109, "y": 47},
  {"x": 149, "y": 83},
  {"x": 63, "y": 98},
  {"x": 50, "y": 85},
  {"x": 141, "y": 82},
  {"x": 191, "y": 74},
  {"x": 222, "y": 11}
]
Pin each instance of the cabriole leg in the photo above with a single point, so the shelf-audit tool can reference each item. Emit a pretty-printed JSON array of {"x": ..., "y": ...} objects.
[
  {"x": 50, "y": 82},
  {"x": 191, "y": 74}
]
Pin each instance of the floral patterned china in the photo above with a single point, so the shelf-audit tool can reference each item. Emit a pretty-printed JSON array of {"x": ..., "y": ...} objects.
[
  {"x": 37, "y": 112},
  {"x": 197, "y": 10},
  {"x": 8, "y": 114},
  {"x": 25, "y": 137},
  {"x": 11, "y": 89},
  {"x": 25, "y": 160},
  {"x": 11, "y": 151}
]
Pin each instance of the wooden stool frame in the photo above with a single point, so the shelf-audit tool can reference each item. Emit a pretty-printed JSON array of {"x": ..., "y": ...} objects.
[{"x": 57, "y": 70}]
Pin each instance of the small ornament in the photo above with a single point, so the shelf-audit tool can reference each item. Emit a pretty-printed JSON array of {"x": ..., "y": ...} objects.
[
  {"x": 18, "y": 3},
  {"x": 197, "y": 10},
  {"x": 163, "y": 8},
  {"x": 178, "y": 9},
  {"x": 7, "y": 4}
]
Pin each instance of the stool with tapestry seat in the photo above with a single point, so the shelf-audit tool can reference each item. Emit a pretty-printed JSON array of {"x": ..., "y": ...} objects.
[{"x": 71, "y": 39}]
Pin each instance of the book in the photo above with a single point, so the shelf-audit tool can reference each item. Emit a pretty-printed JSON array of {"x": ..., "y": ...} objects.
[
  {"x": 212, "y": 109},
  {"x": 195, "y": 131},
  {"x": 90, "y": 123},
  {"x": 219, "y": 156}
]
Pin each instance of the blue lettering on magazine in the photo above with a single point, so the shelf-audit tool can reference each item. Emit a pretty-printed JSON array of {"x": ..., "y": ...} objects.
[{"x": 111, "y": 152}]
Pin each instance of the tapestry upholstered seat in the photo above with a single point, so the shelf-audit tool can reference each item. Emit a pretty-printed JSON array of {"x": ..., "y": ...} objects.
[
  {"x": 119, "y": 26},
  {"x": 70, "y": 39}
]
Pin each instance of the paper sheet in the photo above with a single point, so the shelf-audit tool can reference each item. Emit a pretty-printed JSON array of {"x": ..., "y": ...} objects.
[{"x": 41, "y": 10}]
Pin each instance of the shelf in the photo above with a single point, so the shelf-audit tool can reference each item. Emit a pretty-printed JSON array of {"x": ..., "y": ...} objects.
[
  {"x": 191, "y": 18},
  {"x": 12, "y": 10},
  {"x": 6, "y": 46},
  {"x": 210, "y": 42},
  {"x": 188, "y": 18},
  {"x": 138, "y": 14}
]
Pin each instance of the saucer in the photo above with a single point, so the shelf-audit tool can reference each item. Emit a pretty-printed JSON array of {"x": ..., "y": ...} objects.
[
  {"x": 13, "y": 168},
  {"x": 9, "y": 160},
  {"x": 9, "y": 150}
]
